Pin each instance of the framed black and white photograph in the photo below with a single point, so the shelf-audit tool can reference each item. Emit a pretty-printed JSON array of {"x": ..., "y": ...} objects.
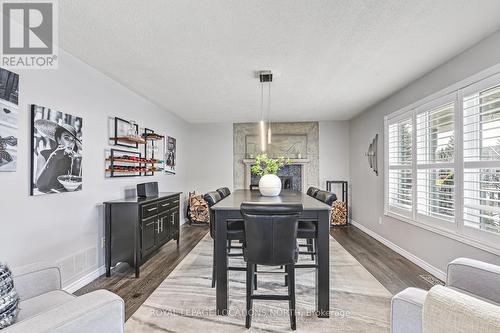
[
  {"x": 56, "y": 151},
  {"x": 9, "y": 86},
  {"x": 170, "y": 155},
  {"x": 8, "y": 137}
]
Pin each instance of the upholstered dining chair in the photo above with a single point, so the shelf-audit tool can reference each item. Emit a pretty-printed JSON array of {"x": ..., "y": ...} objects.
[
  {"x": 224, "y": 192},
  {"x": 235, "y": 231},
  {"x": 308, "y": 230},
  {"x": 271, "y": 240},
  {"x": 312, "y": 191}
]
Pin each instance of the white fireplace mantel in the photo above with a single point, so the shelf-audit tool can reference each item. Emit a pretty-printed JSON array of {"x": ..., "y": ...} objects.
[{"x": 303, "y": 162}]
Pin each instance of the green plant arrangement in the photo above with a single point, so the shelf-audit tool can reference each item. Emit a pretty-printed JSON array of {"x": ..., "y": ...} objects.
[{"x": 265, "y": 165}]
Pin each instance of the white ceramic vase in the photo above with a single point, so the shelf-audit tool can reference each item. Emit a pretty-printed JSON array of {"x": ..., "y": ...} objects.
[{"x": 270, "y": 185}]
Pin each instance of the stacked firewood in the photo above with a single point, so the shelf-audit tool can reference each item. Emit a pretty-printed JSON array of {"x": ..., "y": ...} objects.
[
  {"x": 339, "y": 213},
  {"x": 198, "y": 208}
]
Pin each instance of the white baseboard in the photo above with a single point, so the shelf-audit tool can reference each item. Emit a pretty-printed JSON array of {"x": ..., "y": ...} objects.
[
  {"x": 414, "y": 259},
  {"x": 74, "y": 286}
]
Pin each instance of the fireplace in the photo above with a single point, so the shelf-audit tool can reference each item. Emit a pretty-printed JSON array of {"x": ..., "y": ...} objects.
[
  {"x": 290, "y": 175},
  {"x": 293, "y": 176}
]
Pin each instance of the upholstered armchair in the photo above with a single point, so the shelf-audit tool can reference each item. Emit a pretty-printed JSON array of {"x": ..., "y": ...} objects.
[
  {"x": 45, "y": 307},
  {"x": 470, "y": 302}
]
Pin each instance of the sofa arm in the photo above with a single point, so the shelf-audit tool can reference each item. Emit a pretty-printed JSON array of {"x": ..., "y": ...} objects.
[
  {"x": 95, "y": 312},
  {"x": 406, "y": 311},
  {"x": 449, "y": 310},
  {"x": 36, "y": 279},
  {"x": 475, "y": 277}
]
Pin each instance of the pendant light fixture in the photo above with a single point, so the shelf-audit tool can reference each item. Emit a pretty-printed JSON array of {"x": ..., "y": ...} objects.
[
  {"x": 265, "y": 136},
  {"x": 269, "y": 113}
]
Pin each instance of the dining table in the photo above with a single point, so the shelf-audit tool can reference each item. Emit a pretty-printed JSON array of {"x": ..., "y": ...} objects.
[{"x": 313, "y": 210}]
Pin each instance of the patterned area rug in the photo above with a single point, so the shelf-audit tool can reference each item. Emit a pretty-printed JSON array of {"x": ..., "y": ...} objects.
[{"x": 184, "y": 302}]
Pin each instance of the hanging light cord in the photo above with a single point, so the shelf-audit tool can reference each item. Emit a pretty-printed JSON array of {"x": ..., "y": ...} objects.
[
  {"x": 262, "y": 101},
  {"x": 269, "y": 115}
]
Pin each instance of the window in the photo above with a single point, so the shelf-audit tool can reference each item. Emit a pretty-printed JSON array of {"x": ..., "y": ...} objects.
[
  {"x": 400, "y": 165},
  {"x": 443, "y": 163},
  {"x": 435, "y": 161},
  {"x": 482, "y": 159}
]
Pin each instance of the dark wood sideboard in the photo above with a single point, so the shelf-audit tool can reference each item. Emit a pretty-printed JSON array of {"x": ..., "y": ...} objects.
[{"x": 138, "y": 226}]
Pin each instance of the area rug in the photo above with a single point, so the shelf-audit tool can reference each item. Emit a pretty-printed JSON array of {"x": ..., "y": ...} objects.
[{"x": 185, "y": 302}]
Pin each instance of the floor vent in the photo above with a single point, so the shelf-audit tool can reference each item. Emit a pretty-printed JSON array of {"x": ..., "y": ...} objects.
[{"x": 431, "y": 279}]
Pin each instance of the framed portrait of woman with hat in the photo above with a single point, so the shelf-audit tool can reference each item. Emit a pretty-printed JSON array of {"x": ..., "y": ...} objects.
[{"x": 56, "y": 151}]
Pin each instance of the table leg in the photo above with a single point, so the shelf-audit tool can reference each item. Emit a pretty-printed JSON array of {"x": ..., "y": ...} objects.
[
  {"x": 221, "y": 262},
  {"x": 323, "y": 269}
]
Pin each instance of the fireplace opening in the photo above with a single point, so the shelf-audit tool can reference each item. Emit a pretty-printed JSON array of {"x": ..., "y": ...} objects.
[
  {"x": 290, "y": 175},
  {"x": 286, "y": 182}
]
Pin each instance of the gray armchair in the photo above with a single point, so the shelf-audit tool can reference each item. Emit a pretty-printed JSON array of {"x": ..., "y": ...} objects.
[
  {"x": 45, "y": 307},
  {"x": 471, "y": 286}
]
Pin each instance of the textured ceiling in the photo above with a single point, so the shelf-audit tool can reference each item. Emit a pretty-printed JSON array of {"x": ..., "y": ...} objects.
[{"x": 334, "y": 58}]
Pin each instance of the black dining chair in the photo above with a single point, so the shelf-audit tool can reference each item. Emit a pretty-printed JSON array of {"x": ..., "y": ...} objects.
[
  {"x": 235, "y": 231},
  {"x": 271, "y": 240},
  {"x": 327, "y": 197},
  {"x": 224, "y": 192},
  {"x": 312, "y": 191},
  {"x": 308, "y": 230}
]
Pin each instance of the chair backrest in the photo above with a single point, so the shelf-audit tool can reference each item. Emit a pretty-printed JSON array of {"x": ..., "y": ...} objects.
[
  {"x": 224, "y": 192},
  {"x": 212, "y": 198},
  {"x": 312, "y": 191},
  {"x": 327, "y": 197},
  {"x": 270, "y": 232}
]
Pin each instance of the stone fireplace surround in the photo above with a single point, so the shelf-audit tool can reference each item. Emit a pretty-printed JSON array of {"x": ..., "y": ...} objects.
[{"x": 309, "y": 159}]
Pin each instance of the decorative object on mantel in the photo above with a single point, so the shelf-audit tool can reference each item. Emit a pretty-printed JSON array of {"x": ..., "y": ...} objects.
[
  {"x": 56, "y": 151},
  {"x": 9, "y": 300},
  {"x": 340, "y": 209},
  {"x": 267, "y": 168},
  {"x": 372, "y": 154}
]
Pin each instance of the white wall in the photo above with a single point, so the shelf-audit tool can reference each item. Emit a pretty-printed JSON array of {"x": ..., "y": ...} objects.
[
  {"x": 211, "y": 157},
  {"x": 211, "y": 149},
  {"x": 67, "y": 228},
  {"x": 333, "y": 151},
  {"x": 368, "y": 189}
]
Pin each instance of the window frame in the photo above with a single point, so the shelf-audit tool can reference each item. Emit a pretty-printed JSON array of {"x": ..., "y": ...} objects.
[{"x": 482, "y": 239}]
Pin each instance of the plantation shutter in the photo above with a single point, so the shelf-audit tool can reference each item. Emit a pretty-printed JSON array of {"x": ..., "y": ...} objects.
[
  {"x": 400, "y": 182},
  {"x": 481, "y": 140},
  {"x": 435, "y": 138}
]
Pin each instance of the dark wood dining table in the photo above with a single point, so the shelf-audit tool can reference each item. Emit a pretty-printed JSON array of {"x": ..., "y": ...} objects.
[{"x": 229, "y": 208}]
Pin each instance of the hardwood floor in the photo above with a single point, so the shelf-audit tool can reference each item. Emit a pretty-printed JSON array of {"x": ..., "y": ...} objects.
[
  {"x": 392, "y": 270},
  {"x": 135, "y": 291}
]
